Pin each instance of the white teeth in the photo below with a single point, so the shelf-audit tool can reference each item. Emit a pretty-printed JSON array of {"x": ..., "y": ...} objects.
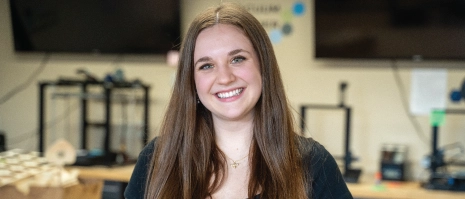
[{"x": 230, "y": 93}]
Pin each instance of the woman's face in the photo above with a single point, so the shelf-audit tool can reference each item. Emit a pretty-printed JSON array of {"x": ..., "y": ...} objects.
[{"x": 227, "y": 73}]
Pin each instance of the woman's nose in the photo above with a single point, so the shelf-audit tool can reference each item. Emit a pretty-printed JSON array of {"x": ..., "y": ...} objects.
[{"x": 225, "y": 75}]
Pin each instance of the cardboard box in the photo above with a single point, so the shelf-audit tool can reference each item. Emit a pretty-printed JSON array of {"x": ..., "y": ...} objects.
[{"x": 88, "y": 189}]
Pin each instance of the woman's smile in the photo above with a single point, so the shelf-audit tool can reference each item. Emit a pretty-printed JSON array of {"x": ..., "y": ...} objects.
[{"x": 229, "y": 94}]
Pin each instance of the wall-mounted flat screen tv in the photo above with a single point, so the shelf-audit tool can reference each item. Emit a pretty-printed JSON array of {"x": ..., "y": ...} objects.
[
  {"x": 390, "y": 29},
  {"x": 96, "y": 26}
]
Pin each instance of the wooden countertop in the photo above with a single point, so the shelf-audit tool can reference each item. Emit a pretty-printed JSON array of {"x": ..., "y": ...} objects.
[
  {"x": 364, "y": 189},
  {"x": 116, "y": 173},
  {"x": 399, "y": 190}
]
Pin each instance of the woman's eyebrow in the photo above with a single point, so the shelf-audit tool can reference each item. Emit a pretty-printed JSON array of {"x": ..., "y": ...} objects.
[
  {"x": 202, "y": 59},
  {"x": 237, "y": 51}
]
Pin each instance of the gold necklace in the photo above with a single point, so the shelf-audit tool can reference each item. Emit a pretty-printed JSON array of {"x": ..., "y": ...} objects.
[{"x": 235, "y": 163}]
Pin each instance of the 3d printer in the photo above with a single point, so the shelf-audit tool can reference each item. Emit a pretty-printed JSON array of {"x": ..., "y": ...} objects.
[{"x": 441, "y": 179}]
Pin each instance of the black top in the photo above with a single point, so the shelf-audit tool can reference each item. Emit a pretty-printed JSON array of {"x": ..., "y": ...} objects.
[{"x": 327, "y": 178}]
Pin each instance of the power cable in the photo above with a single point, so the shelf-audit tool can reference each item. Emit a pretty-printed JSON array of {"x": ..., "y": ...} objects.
[
  {"x": 25, "y": 84},
  {"x": 418, "y": 130},
  {"x": 32, "y": 134}
]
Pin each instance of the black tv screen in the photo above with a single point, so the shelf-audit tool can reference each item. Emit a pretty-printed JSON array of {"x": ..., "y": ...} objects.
[
  {"x": 390, "y": 29},
  {"x": 96, "y": 26}
]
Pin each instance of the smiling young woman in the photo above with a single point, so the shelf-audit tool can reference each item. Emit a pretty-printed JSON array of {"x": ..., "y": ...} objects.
[
  {"x": 227, "y": 73},
  {"x": 229, "y": 132}
]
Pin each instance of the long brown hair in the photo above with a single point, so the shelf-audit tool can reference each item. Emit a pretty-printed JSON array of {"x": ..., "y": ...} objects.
[{"x": 188, "y": 164}]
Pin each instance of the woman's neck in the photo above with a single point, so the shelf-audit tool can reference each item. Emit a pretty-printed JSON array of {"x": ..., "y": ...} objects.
[{"x": 234, "y": 138}]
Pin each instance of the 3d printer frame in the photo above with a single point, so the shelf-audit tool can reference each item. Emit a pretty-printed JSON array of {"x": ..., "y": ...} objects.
[
  {"x": 350, "y": 174},
  {"x": 108, "y": 156}
]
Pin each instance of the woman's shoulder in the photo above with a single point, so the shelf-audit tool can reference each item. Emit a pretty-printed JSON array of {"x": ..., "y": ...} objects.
[
  {"x": 149, "y": 147},
  {"x": 309, "y": 147},
  {"x": 315, "y": 156},
  {"x": 325, "y": 176},
  {"x": 136, "y": 185}
]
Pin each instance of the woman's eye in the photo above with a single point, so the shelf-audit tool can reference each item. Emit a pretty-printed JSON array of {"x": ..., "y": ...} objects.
[
  {"x": 206, "y": 66},
  {"x": 238, "y": 59}
]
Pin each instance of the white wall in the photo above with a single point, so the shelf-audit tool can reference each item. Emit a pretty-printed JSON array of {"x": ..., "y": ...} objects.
[{"x": 378, "y": 114}]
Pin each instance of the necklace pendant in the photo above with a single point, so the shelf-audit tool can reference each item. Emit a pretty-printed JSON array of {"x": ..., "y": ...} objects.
[{"x": 235, "y": 164}]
